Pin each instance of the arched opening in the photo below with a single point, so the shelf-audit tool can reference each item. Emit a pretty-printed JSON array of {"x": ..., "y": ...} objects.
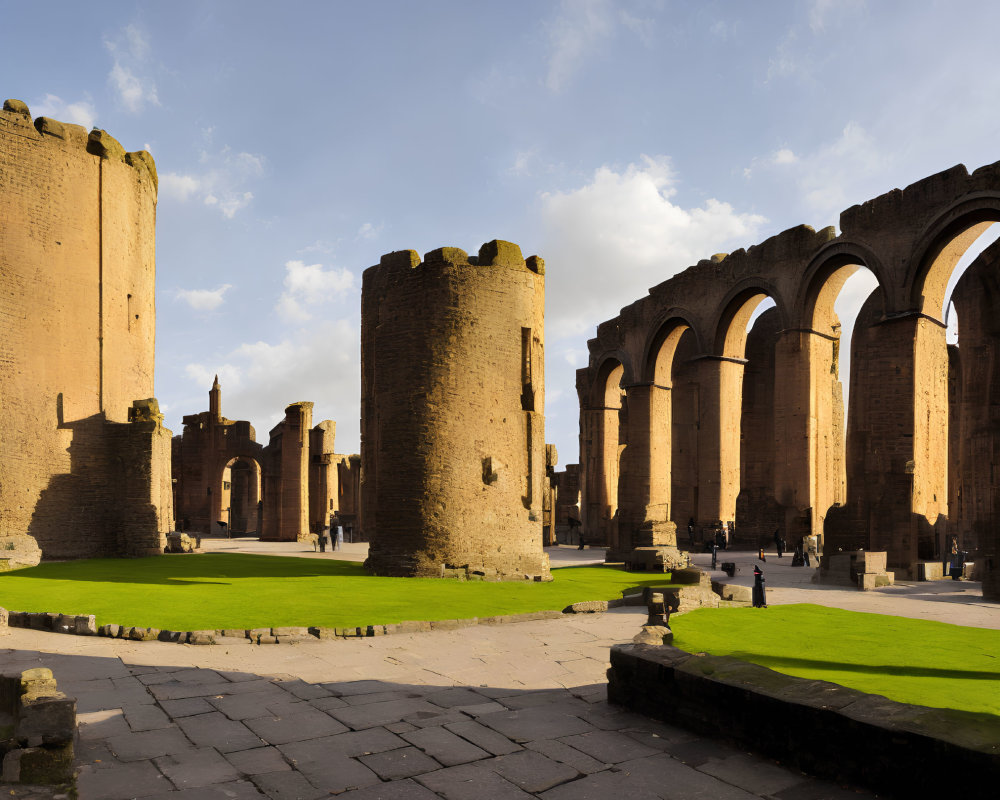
[
  {"x": 722, "y": 464},
  {"x": 238, "y": 495},
  {"x": 956, "y": 436},
  {"x": 815, "y": 479},
  {"x": 604, "y": 422},
  {"x": 973, "y": 337},
  {"x": 644, "y": 464}
]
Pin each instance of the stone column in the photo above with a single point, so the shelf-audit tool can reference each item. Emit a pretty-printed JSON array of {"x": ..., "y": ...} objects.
[
  {"x": 600, "y": 495},
  {"x": 898, "y": 444},
  {"x": 808, "y": 429},
  {"x": 721, "y": 381},
  {"x": 644, "y": 480}
]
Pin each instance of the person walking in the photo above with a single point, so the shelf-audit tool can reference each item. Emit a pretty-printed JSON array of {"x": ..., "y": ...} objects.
[{"x": 759, "y": 597}]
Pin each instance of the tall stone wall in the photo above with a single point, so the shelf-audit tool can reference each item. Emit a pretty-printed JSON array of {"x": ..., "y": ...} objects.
[
  {"x": 77, "y": 267},
  {"x": 452, "y": 440}
]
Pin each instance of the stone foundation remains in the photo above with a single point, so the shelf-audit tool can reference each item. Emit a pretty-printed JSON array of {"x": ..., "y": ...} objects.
[
  {"x": 452, "y": 392},
  {"x": 86, "y": 467}
]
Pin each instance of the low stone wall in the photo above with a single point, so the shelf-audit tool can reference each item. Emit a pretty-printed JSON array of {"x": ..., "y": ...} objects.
[
  {"x": 821, "y": 728},
  {"x": 85, "y": 625},
  {"x": 37, "y": 729}
]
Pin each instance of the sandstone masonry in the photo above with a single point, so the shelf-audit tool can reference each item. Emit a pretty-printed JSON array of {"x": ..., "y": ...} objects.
[
  {"x": 452, "y": 388},
  {"x": 86, "y": 464}
]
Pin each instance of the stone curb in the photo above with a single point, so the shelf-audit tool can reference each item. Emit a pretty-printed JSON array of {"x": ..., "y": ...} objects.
[{"x": 85, "y": 625}]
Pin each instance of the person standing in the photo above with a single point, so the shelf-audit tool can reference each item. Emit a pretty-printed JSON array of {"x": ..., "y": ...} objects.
[
  {"x": 759, "y": 598},
  {"x": 779, "y": 543}
]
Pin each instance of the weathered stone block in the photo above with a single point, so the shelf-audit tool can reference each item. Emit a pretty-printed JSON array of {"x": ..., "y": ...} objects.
[
  {"x": 85, "y": 625},
  {"x": 587, "y": 607},
  {"x": 47, "y": 719}
]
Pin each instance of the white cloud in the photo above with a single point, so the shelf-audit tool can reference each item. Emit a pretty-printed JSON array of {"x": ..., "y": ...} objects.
[
  {"x": 259, "y": 379},
  {"x": 178, "y": 187},
  {"x": 310, "y": 285},
  {"x": 622, "y": 232},
  {"x": 203, "y": 299},
  {"x": 82, "y": 112},
  {"x": 130, "y": 51},
  {"x": 221, "y": 185}
]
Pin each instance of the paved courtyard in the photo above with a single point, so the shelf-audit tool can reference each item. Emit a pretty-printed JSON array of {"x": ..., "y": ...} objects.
[{"x": 507, "y": 711}]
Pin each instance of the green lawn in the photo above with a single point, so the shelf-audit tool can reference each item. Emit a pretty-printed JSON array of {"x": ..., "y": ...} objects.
[
  {"x": 216, "y": 590},
  {"x": 913, "y": 661},
  {"x": 909, "y": 660}
]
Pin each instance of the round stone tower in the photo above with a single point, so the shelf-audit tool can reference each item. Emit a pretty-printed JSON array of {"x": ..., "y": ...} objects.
[{"x": 452, "y": 430}]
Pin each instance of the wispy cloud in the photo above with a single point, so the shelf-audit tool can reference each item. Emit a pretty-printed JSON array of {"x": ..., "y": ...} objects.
[
  {"x": 833, "y": 176},
  {"x": 222, "y": 184},
  {"x": 308, "y": 285},
  {"x": 780, "y": 157},
  {"x": 130, "y": 52},
  {"x": 369, "y": 231},
  {"x": 81, "y": 112},
  {"x": 203, "y": 299}
]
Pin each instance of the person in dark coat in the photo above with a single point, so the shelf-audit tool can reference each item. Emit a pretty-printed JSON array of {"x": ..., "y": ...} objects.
[
  {"x": 759, "y": 598},
  {"x": 779, "y": 543}
]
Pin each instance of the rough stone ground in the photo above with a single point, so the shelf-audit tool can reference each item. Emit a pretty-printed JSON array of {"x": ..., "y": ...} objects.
[{"x": 492, "y": 712}]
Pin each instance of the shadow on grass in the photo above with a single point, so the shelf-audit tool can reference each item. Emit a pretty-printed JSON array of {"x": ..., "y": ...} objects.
[
  {"x": 219, "y": 568},
  {"x": 199, "y": 568},
  {"x": 781, "y": 663}
]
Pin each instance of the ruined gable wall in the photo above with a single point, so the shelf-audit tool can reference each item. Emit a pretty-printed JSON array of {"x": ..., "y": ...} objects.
[
  {"x": 453, "y": 452},
  {"x": 77, "y": 224}
]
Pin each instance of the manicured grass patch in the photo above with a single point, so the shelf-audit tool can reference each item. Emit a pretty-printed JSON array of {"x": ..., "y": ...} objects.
[
  {"x": 915, "y": 661},
  {"x": 233, "y": 590}
]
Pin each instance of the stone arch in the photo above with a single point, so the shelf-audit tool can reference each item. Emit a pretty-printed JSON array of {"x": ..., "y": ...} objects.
[
  {"x": 237, "y": 502},
  {"x": 736, "y": 310},
  {"x": 661, "y": 344},
  {"x": 944, "y": 241},
  {"x": 825, "y": 276},
  {"x": 721, "y": 387},
  {"x": 934, "y": 256},
  {"x": 809, "y": 411}
]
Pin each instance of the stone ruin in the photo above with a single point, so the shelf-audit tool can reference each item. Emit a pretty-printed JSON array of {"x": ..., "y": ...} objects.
[
  {"x": 286, "y": 490},
  {"x": 452, "y": 391},
  {"x": 86, "y": 459},
  {"x": 685, "y": 416}
]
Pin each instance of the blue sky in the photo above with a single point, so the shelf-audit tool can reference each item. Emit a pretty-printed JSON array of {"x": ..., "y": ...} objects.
[{"x": 621, "y": 141}]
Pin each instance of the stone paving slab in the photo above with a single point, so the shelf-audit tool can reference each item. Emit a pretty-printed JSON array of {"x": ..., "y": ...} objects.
[
  {"x": 532, "y": 737},
  {"x": 404, "y": 762},
  {"x": 193, "y": 768},
  {"x": 445, "y": 747},
  {"x": 532, "y": 771}
]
